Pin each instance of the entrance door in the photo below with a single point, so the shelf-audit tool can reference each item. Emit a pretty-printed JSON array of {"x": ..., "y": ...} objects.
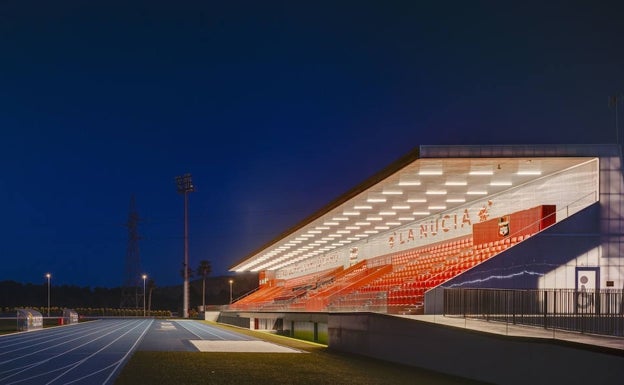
[{"x": 587, "y": 285}]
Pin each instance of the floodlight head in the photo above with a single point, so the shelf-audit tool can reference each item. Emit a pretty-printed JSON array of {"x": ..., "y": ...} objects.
[{"x": 184, "y": 183}]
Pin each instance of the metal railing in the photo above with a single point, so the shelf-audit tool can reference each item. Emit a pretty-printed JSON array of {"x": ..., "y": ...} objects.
[
  {"x": 586, "y": 311},
  {"x": 374, "y": 301}
]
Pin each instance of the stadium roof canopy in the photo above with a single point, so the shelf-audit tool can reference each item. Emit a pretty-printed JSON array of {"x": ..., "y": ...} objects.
[{"x": 410, "y": 189}]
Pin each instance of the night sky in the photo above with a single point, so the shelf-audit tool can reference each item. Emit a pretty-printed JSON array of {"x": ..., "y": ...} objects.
[{"x": 275, "y": 108}]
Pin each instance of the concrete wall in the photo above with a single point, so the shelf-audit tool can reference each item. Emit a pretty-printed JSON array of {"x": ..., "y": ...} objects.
[
  {"x": 310, "y": 326},
  {"x": 471, "y": 354},
  {"x": 234, "y": 319},
  {"x": 209, "y": 315}
]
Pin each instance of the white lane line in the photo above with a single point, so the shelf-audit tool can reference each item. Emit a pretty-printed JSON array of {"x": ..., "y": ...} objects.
[
  {"x": 49, "y": 372},
  {"x": 30, "y": 366},
  {"x": 117, "y": 363},
  {"x": 29, "y": 338},
  {"x": 71, "y": 365},
  {"x": 37, "y": 363},
  {"x": 42, "y": 335},
  {"x": 182, "y": 323},
  {"x": 214, "y": 332},
  {"x": 228, "y": 333},
  {"x": 127, "y": 355},
  {"x": 220, "y": 334},
  {"x": 57, "y": 336},
  {"x": 75, "y": 364},
  {"x": 96, "y": 331},
  {"x": 99, "y": 351}
]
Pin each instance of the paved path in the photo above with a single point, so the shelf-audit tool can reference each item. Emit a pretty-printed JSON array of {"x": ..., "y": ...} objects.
[{"x": 591, "y": 340}]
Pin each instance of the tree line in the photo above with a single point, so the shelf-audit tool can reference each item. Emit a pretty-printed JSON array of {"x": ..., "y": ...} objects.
[{"x": 204, "y": 289}]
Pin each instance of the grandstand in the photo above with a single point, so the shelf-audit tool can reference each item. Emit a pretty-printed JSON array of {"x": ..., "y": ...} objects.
[
  {"x": 520, "y": 235},
  {"x": 517, "y": 235},
  {"x": 450, "y": 216}
]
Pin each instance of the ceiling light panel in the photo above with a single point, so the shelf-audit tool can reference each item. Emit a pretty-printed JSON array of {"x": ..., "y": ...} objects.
[
  {"x": 430, "y": 172},
  {"x": 409, "y": 183},
  {"x": 423, "y": 196}
]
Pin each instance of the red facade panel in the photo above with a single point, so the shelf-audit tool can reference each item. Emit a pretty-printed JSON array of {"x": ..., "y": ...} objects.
[{"x": 521, "y": 223}]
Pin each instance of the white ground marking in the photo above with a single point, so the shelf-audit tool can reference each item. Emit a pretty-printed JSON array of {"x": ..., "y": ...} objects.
[
  {"x": 167, "y": 326},
  {"x": 241, "y": 347}
]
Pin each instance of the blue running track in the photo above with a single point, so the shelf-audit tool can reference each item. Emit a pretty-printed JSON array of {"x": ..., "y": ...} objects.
[{"x": 94, "y": 352}]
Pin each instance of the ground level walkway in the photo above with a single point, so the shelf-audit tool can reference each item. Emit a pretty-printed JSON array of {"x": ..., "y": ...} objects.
[{"x": 515, "y": 330}]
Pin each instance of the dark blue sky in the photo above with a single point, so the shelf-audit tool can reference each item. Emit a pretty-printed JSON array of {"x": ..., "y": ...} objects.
[{"x": 276, "y": 108}]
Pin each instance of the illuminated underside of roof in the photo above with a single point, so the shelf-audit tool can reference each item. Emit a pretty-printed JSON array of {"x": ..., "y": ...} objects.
[{"x": 409, "y": 190}]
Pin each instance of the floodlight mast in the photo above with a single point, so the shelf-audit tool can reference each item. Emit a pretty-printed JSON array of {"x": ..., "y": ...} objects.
[
  {"x": 48, "y": 276},
  {"x": 185, "y": 186}
]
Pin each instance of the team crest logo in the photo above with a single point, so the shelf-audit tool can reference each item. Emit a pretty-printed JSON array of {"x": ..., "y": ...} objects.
[{"x": 503, "y": 226}]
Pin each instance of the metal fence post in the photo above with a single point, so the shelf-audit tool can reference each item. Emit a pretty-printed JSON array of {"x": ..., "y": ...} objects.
[{"x": 545, "y": 309}]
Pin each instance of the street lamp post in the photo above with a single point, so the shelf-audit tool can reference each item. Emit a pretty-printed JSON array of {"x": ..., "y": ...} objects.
[
  {"x": 231, "y": 282},
  {"x": 185, "y": 186},
  {"x": 144, "y": 276},
  {"x": 48, "y": 276}
]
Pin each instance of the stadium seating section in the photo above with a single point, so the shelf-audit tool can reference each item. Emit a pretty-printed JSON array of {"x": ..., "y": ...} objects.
[{"x": 393, "y": 283}]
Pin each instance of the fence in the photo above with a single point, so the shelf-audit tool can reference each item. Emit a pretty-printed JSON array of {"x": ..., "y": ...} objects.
[{"x": 585, "y": 311}]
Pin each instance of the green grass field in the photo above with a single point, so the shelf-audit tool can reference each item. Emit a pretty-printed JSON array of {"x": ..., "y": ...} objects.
[{"x": 319, "y": 365}]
